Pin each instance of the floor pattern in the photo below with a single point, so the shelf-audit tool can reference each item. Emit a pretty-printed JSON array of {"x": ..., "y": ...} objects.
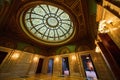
[{"x": 45, "y": 77}]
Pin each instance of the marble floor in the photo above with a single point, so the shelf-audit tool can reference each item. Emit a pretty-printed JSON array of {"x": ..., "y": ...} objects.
[{"x": 45, "y": 77}]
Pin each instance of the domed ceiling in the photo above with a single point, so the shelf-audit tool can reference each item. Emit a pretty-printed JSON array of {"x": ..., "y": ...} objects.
[{"x": 47, "y": 23}]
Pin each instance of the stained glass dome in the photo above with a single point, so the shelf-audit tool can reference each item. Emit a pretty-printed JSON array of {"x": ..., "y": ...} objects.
[{"x": 48, "y": 24}]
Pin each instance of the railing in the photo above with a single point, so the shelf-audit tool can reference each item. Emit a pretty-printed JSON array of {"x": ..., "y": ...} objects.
[
  {"x": 112, "y": 7},
  {"x": 117, "y": 3}
]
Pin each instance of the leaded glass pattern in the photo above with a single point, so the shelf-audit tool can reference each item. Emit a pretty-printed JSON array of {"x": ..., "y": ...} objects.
[{"x": 48, "y": 23}]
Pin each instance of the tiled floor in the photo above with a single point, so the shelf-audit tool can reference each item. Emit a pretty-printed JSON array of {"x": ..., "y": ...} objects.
[{"x": 45, "y": 77}]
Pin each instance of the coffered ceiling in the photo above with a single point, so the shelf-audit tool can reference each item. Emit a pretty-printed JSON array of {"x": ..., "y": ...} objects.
[{"x": 78, "y": 9}]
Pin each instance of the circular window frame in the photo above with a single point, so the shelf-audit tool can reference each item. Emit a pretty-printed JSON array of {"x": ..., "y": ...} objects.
[{"x": 21, "y": 14}]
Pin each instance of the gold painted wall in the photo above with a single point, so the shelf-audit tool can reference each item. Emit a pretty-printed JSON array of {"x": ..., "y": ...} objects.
[
  {"x": 18, "y": 63},
  {"x": 111, "y": 13},
  {"x": 76, "y": 65}
]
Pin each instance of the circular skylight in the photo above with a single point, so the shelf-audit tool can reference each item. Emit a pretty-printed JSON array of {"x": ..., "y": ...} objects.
[{"x": 48, "y": 23}]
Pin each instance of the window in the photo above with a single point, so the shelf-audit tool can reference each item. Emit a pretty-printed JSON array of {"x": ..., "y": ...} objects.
[{"x": 48, "y": 23}]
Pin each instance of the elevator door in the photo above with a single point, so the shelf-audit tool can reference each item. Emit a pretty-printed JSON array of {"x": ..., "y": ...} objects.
[
  {"x": 50, "y": 66},
  {"x": 39, "y": 68},
  {"x": 2, "y": 56},
  {"x": 65, "y": 66}
]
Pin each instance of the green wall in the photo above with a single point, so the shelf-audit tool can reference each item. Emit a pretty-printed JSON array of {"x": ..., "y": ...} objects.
[
  {"x": 92, "y": 6},
  {"x": 22, "y": 45},
  {"x": 70, "y": 47}
]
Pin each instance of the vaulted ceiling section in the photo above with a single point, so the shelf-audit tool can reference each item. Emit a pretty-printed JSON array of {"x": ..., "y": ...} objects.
[{"x": 78, "y": 9}]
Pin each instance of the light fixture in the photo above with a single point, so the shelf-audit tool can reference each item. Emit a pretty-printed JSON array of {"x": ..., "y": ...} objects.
[
  {"x": 97, "y": 49},
  {"x": 109, "y": 22},
  {"x": 35, "y": 59},
  {"x": 73, "y": 57},
  {"x": 15, "y": 56},
  {"x": 57, "y": 59},
  {"x": 103, "y": 26}
]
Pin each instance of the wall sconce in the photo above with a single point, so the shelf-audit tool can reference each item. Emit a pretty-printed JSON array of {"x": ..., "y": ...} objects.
[
  {"x": 110, "y": 22},
  {"x": 73, "y": 57},
  {"x": 15, "y": 56},
  {"x": 97, "y": 49},
  {"x": 57, "y": 59},
  {"x": 103, "y": 28},
  {"x": 35, "y": 59}
]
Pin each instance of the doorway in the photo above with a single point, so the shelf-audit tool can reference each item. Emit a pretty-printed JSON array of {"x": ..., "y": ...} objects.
[
  {"x": 89, "y": 68},
  {"x": 50, "y": 66},
  {"x": 2, "y": 56},
  {"x": 39, "y": 68},
  {"x": 65, "y": 66}
]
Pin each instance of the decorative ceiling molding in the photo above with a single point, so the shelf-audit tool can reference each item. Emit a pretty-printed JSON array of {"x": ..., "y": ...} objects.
[
  {"x": 76, "y": 8},
  {"x": 2, "y": 2},
  {"x": 75, "y": 4}
]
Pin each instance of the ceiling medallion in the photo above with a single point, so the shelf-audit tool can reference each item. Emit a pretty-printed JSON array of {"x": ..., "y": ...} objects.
[
  {"x": 52, "y": 21},
  {"x": 47, "y": 24}
]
